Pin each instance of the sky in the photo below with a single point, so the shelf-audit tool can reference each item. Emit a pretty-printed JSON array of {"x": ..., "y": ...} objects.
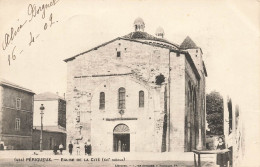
[{"x": 226, "y": 30}]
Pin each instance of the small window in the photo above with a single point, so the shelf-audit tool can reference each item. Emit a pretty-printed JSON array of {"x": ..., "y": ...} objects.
[
  {"x": 102, "y": 100},
  {"x": 121, "y": 98},
  {"x": 17, "y": 124},
  {"x": 141, "y": 98},
  {"x": 118, "y": 54},
  {"x": 18, "y": 103}
]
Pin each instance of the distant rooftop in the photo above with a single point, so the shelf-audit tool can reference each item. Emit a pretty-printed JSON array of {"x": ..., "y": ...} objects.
[
  {"x": 188, "y": 44},
  {"x": 47, "y": 96},
  {"x": 10, "y": 84}
]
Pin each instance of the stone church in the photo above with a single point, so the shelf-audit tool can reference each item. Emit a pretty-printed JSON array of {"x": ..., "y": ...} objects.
[{"x": 137, "y": 93}]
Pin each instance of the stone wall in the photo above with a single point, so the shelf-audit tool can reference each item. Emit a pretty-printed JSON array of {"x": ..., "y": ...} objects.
[
  {"x": 100, "y": 70},
  {"x": 62, "y": 113},
  {"x": 143, "y": 61},
  {"x": 145, "y": 123},
  {"x": 177, "y": 101}
]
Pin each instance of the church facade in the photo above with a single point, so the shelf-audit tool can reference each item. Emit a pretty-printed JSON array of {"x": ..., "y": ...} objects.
[{"x": 137, "y": 93}]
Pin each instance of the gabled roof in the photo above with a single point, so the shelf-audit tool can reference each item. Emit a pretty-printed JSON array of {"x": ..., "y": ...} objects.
[
  {"x": 135, "y": 37},
  {"x": 10, "y": 84},
  {"x": 47, "y": 96},
  {"x": 188, "y": 44}
]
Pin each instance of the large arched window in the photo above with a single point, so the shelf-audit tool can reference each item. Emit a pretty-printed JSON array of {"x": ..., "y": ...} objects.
[
  {"x": 102, "y": 100},
  {"x": 141, "y": 98},
  {"x": 121, "y": 98}
]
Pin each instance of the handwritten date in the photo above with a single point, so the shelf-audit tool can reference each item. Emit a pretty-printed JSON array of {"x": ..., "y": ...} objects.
[{"x": 33, "y": 11}]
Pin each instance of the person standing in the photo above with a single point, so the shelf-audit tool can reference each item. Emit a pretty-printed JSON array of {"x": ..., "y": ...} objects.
[
  {"x": 124, "y": 147},
  {"x": 222, "y": 159},
  {"x": 78, "y": 148},
  {"x": 70, "y": 148},
  {"x": 55, "y": 149},
  {"x": 88, "y": 148},
  {"x": 1, "y": 145},
  {"x": 61, "y": 148},
  {"x": 119, "y": 146}
]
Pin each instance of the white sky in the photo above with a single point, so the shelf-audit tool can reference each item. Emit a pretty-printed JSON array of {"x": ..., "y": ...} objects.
[{"x": 227, "y": 32}]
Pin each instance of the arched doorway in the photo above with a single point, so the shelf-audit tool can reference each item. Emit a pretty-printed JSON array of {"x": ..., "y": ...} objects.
[{"x": 121, "y": 138}]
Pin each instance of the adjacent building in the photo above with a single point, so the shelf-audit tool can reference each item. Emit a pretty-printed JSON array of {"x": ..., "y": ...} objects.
[
  {"x": 138, "y": 93},
  {"x": 16, "y": 116},
  {"x": 234, "y": 131},
  {"x": 54, "y": 120}
]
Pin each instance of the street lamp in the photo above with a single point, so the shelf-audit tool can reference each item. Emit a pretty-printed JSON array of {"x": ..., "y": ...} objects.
[{"x": 42, "y": 109}]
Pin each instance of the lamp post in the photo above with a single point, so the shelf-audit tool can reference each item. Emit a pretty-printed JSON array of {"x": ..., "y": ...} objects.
[{"x": 42, "y": 109}]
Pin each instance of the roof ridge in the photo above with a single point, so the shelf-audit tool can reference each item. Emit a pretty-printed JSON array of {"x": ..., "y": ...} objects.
[
  {"x": 13, "y": 85},
  {"x": 125, "y": 37}
]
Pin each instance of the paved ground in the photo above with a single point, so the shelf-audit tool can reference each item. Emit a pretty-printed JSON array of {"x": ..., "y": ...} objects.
[{"x": 33, "y": 158}]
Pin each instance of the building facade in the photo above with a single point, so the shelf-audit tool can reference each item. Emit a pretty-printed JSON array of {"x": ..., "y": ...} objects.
[
  {"x": 234, "y": 131},
  {"x": 54, "y": 120},
  {"x": 16, "y": 116},
  {"x": 137, "y": 93}
]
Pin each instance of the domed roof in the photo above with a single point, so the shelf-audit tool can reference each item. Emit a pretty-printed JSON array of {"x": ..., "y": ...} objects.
[
  {"x": 139, "y": 21},
  {"x": 159, "y": 31},
  {"x": 138, "y": 35}
]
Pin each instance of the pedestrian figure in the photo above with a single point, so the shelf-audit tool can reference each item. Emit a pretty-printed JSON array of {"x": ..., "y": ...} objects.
[
  {"x": 2, "y": 145},
  {"x": 85, "y": 146},
  {"x": 61, "y": 148},
  {"x": 124, "y": 147},
  {"x": 55, "y": 149},
  {"x": 88, "y": 148},
  {"x": 78, "y": 148},
  {"x": 119, "y": 146},
  {"x": 70, "y": 148},
  {"x": 222, "y": 159}
]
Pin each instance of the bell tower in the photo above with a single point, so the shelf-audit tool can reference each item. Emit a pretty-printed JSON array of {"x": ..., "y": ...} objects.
[{"x": 139, "y": 24}]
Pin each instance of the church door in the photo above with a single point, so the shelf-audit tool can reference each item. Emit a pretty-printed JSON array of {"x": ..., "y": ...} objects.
[{"x": 121, "y": 138}]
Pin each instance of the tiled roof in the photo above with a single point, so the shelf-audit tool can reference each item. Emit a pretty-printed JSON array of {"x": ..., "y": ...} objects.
[
  {"x": 47, "y": 96},
  {"x": 10, "y": 84},
  {"x": 188, "y": 44},
  {"x": 145, "y": 36}
]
